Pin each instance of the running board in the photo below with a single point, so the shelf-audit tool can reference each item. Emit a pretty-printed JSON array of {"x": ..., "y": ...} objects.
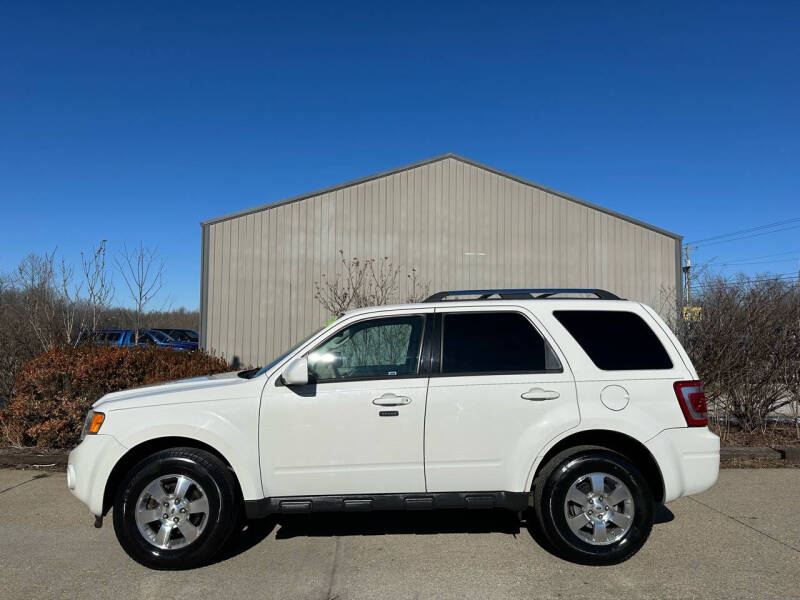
[{"x": 256, "y": 509}]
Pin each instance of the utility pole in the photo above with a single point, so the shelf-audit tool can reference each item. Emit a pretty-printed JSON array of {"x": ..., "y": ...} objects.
[{"x": 687, "y": 270}]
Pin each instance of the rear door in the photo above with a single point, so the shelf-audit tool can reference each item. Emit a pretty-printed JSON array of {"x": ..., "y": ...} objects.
[{"x": 499, "y": 391}]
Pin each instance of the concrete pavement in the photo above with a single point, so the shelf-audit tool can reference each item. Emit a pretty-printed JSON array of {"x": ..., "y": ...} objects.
[{"x": 741, "y": 539}]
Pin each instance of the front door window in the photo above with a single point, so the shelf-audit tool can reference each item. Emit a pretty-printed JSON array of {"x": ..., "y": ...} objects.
[{"x": 375, "y": 348}]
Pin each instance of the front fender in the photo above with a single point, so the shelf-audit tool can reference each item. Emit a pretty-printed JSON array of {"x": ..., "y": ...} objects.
[{"x": 229, "y": 426}]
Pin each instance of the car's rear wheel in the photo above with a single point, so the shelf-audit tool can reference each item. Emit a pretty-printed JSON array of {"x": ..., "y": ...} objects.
[
  {"x": 594, "y": 506},
  {"x": 176, "y": 508}
]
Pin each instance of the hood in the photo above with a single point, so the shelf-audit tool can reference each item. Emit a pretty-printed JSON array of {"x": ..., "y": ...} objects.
[{"x": 195, "y": 389}]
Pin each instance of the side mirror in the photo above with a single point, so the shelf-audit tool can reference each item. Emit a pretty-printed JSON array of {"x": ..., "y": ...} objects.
[{"x": 296, "y": 372}]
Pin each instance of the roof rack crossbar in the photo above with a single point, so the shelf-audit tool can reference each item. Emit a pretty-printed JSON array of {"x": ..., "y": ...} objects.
[{"x": 514, "y": 294}]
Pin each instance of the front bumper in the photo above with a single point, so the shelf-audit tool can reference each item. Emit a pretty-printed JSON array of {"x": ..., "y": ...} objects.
[
  {"x": 688, "y": 458},
  {"x": 89, "y": 467}
]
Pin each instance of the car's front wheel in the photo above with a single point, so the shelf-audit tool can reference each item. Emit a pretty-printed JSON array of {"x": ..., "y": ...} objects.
[
  {"x": 176, "y": 508},
  {"x": 594, "y": 506}
]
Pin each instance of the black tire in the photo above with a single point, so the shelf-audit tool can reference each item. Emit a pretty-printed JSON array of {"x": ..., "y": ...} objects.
[
  {"x": 220, "y": 489},
  {"x": 550, "y": 492}
]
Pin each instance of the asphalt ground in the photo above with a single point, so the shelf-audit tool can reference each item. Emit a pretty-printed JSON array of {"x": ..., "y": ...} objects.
[{"x": 741, "y": 539}]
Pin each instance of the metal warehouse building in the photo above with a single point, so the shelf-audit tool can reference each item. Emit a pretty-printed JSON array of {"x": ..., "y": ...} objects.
[{"x": 461, "y": 224}]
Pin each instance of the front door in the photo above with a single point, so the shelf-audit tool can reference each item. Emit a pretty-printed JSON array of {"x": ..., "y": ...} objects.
[
  {"x": 357, "y": 428},
  {"x": 499, "y": 394}
]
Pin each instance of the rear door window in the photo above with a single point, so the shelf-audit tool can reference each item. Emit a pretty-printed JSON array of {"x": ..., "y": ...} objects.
[
  {"x": 493, "y": 342},
  {"x": 615, "y": 340}
]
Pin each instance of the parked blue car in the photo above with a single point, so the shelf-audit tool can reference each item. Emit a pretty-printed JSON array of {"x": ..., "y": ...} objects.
[{"x": 126, "y": 338}]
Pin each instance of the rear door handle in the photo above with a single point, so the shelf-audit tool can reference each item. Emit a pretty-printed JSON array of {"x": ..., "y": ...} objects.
[
  {"x": 540, "y": 394},
  {"x": 392, "y": 400}
]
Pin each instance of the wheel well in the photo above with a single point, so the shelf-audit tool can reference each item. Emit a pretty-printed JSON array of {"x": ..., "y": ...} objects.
[
  {"x": 629, "y": 447},
  {"x": 137, "y": 453}
]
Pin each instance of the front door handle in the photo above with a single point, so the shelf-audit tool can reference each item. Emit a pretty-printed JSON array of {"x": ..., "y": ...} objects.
[
  {"x": 392, "y": 400},
  {"x": 540, "y": 394}
]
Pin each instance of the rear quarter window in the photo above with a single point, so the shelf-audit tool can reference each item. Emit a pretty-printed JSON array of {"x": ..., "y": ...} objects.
[{"x": 615, "y": 340}]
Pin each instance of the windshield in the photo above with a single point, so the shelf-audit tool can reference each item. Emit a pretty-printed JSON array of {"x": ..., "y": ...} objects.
[
  {"x": 159, "y": 335},
  {"x": 275, "y": 361}
]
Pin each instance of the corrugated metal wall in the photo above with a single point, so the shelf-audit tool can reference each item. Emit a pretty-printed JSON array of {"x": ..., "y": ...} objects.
[{"x": 459, "y": 224}]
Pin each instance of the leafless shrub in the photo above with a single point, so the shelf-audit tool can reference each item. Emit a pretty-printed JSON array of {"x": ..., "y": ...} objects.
[
  {"x": 357, "y": 283},
  {"x": 365, "y": 282},
  {"x": 418, "y": 290},
  {"x": 746, "y": 347}
]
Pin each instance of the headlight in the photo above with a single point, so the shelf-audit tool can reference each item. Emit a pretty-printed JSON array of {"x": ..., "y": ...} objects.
[{"x": 94, "y": 420}]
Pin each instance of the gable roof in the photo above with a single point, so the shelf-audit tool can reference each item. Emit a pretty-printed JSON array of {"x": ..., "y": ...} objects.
[{"x": 429, "y": 161}]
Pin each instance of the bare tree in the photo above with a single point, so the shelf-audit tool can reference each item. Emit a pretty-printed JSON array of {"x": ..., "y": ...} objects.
[
  {"x": 70, "y": 301},
  {"x": 364, "y": 282},
  {"x": 143, "y": 273},
  {"x": 16, "y": 344},
  {"x": 99, "y": 288},
  {"x": 36, "y": 278}
]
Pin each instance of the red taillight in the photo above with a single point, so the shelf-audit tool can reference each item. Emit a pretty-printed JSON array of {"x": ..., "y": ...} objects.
[{"x": 693, "y": 402}]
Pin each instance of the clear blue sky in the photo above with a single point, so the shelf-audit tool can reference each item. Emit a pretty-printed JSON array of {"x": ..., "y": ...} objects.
[{"x": 134, "y": 122}]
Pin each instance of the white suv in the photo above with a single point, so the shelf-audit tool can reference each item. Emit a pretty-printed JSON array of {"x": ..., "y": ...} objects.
[{"x": 585, "y": 410}]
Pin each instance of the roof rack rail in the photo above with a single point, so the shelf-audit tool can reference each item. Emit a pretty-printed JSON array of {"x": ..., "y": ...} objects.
[{"x": 519, "y": 294}]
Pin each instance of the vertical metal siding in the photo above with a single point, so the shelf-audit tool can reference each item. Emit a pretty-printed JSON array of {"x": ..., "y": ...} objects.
[{"x": 460, "y": 225}]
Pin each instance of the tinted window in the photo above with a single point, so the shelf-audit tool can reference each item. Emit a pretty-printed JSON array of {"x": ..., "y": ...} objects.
[
  {"x": 373, "y": 348},
  {"x": 488, "y": 342},
  {"x": 181, "y": 335},
  {"x": 160, "y": 336},
  {"x": 615, "y": 340}
]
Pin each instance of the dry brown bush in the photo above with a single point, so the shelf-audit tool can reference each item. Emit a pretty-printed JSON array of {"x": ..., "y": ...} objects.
[{"x": 54, "y": 391}]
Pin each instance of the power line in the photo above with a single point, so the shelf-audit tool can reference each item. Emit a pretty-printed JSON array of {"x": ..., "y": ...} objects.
[
  {"x": 765, "y": 277},
  {"x": 748, "y": 230},
  {"x": 781, "y": 277},
  {"x": 752, "y": 235},
  {"x": 756, "y": 262},
  {"x": 743, "y": 258}
]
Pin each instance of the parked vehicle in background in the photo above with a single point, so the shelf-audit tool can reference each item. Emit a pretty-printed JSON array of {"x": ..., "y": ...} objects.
[
  {"x": 582, "y": 412},
  {"x": 127, "y": 338},
  {"x": 180, "y": 335}
]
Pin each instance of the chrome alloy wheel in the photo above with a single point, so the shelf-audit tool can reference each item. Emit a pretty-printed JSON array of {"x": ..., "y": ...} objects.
[
  {"x": 172, "y": 511},
  {"x": 599, "y": 508}
]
